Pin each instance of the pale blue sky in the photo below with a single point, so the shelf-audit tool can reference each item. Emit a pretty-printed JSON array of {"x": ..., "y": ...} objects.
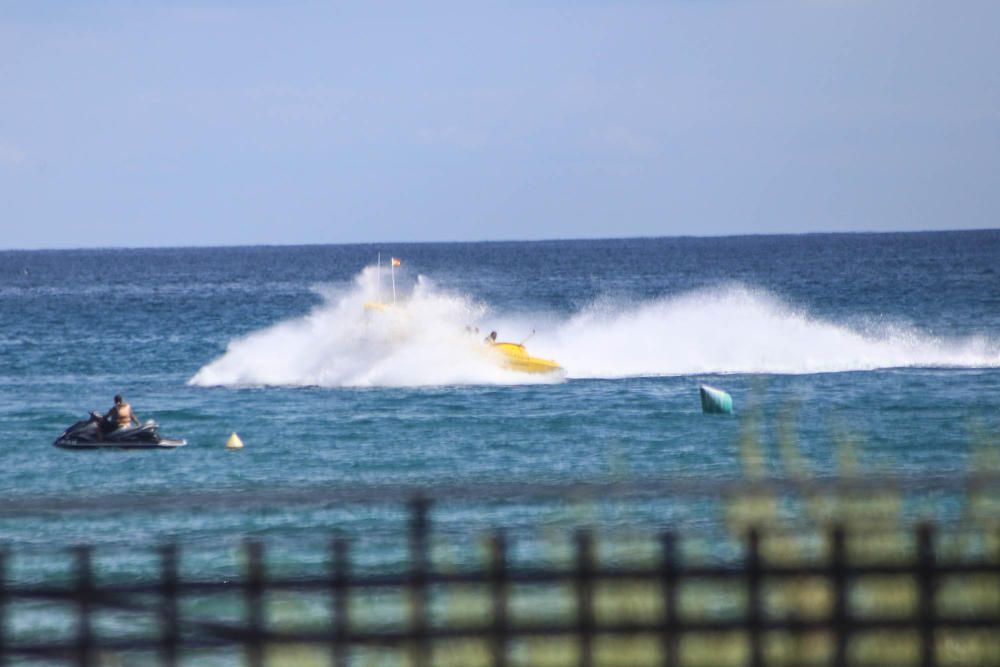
[{"x": 230, "y": 123}]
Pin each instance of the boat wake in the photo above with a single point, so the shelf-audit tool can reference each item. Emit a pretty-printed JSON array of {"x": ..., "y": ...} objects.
[
  {"x": 423, "y": 341},
  {"x": 735, "y": 329}
]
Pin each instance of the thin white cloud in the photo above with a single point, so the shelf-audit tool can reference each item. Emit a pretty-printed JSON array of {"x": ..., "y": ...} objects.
[
  {"x": 11, "y": 156},
  {"x": 313, "y": 105},
  {"x": 626, "y": 141},
  {"x": 453, "y": 136}
]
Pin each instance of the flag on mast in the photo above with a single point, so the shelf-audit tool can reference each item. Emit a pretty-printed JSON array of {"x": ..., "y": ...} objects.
[{"x": 393, "y": 263}]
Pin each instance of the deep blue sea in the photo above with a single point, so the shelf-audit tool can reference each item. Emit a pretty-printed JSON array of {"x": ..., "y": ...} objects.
[{"x": 890, "y": 342}]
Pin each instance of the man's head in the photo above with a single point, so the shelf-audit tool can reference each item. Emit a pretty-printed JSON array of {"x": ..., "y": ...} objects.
[{"x": 118, "y": 399}]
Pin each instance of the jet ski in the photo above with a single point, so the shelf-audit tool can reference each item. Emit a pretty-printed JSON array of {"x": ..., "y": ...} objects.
[{"x": 87, "y": 434}]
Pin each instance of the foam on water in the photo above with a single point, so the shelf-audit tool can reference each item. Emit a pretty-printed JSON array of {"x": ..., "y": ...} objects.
[
  {"x": 734, "y": 329},
  {"x": 422, "y": 340}
]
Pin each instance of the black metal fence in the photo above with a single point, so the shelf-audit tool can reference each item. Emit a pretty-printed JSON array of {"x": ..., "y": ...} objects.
[
  {"x": 830, "y": 623},
  {"x": 837, "y": 604}
]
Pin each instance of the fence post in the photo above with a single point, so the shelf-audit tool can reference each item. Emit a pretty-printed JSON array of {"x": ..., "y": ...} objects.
[
  {"x": 84, "y": 595},
  {"x": 341, "y": 603},
  {"x": 418, "y": 579},
  {"x": 926, "y": 611},
  {"x": 253, "y": 599},
  {"x": 498, "y": 585},
  {"x": 169, "y": 621},
  {"x": 671, "y": 623},
  {"x": 585, "y": 595},
  {"x": 3, "y": 606},
  {"x": 754, "y": 610},
  {"x": 838, "y": 577}
]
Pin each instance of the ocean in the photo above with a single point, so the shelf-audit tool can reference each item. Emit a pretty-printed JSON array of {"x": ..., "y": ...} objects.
[{"x": 887, "y": 342}]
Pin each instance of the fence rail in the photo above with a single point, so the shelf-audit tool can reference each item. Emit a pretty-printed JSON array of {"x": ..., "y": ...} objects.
[{"x": 422, "y": 634}]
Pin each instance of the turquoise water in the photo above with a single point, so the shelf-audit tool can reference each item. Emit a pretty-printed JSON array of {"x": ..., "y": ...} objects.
[{"x": 889, "y": 341}]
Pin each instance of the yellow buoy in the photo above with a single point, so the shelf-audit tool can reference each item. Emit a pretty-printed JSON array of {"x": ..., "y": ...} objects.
[{"x": 234, "y": 441}]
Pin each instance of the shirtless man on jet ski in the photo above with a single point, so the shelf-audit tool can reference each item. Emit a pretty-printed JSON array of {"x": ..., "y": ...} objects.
[
  {"x": 114, "y": 429},
  {"x": 118, "y": 417}
]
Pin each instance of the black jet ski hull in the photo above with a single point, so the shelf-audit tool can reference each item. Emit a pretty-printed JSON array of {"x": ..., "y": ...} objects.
[
  {"x": 163, "y": 443},
  {"x": 88, "y": 434}
]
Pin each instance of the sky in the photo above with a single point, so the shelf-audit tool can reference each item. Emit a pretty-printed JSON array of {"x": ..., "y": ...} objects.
[{"x": 146, "y": 123}]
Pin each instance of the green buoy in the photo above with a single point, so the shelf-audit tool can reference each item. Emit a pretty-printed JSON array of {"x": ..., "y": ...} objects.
[{"x": 715, "y": 401}]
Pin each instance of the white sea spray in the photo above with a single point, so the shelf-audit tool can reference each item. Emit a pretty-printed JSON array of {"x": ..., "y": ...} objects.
[{"x": 424, "y": 339}]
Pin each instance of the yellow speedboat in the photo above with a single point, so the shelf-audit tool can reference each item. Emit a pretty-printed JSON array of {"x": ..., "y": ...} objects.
[{"x": 513, "y": 356}]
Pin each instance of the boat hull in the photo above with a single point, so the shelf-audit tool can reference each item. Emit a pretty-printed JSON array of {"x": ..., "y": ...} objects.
[{"x": 514, "y": 357}]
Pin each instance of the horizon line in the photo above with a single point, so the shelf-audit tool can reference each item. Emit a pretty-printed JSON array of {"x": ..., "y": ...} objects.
[{"x": 501, "y": 241}]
